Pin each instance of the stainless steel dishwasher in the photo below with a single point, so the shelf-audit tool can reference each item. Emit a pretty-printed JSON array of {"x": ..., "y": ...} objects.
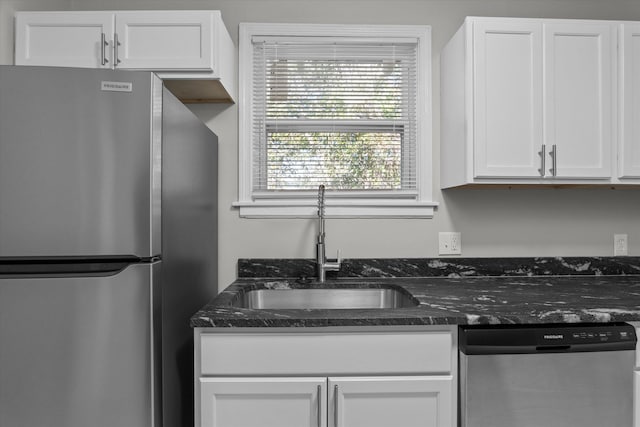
[{"x": 547, "y": 375}]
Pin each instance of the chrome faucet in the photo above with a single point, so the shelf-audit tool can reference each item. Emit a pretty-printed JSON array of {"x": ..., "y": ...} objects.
[{"x": 322, "y": 264}]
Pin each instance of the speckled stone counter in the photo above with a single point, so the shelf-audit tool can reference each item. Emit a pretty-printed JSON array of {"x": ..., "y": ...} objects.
[{"x": 448, "y": 291}]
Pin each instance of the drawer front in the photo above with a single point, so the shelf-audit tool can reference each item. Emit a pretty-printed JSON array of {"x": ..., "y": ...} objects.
[{"x": 397, "y": 353}]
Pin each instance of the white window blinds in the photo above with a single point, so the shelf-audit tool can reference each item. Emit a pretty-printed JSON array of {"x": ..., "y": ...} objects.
[{"x": 334, "y": 111}]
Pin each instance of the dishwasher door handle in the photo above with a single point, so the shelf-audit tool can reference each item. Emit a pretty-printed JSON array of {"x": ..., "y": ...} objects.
[{"x": 552, "y": 348}]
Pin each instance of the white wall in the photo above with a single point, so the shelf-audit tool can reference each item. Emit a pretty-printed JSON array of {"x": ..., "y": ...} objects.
[{"x": 569, "y": 222}]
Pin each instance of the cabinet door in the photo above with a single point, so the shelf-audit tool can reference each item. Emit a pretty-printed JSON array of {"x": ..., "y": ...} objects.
[
  {"x": 165, "y": 40},
  {"x": 391, "y": 401},
  {"x": 64, "y": 39},
  {"x": 579, "y": 64},
  {"x": 507, "y": 99},
  {"x": 636, "y": 398},
  {"x": 263, "y": 402},
  {"x": 629, "y": 93}
]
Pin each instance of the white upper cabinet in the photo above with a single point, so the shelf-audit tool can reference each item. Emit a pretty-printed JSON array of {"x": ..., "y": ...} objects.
[
  {"x": 507, "y": 99},
  {"x": 70, "y": 39},
  {"x": 190, "y": 50},
  {"x": 578, "y": 94},
  {"x": 629, "y": 102},
  {"x": 528, "y": 101},
  {"x": 161, "y": 41}
]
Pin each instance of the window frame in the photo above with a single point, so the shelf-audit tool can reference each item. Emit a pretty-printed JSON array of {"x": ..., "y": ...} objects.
[{"x": 352, "y": 204}]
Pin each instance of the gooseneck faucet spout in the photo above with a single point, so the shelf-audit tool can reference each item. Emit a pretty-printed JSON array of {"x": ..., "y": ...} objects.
[
  {"x": 322, "y": 264},
  {"x": 321, "y": 214}
]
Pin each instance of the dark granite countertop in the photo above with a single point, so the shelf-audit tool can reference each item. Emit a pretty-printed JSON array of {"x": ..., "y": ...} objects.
[{"x": 458, "y": 291}]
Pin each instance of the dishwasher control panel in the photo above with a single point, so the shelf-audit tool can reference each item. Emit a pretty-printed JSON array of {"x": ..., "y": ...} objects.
[
  {"x": 598, "y": 335},
  {"x": 546, "y": 338}
]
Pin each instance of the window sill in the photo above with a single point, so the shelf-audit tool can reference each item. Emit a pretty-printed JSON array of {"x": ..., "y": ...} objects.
[{"x": 286, "y": 208}]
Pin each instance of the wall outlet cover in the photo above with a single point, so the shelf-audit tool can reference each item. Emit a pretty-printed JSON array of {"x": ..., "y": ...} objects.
[
  {"x": 620, "y": 245},
  {"x": 449, "y": 243}
]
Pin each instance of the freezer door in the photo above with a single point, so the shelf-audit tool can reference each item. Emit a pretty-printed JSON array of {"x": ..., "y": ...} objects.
[
  {"x": 78, "y": 352},
  {"x": 80, "y": 162}
]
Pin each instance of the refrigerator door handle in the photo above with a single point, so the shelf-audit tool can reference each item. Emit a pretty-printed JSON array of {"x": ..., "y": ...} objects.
[{"x": 71, "y": 266}]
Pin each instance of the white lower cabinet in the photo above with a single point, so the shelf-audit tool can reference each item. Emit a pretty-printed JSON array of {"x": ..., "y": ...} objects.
[
  {"x": 636, "y": 398},
  {"x": 277, "y": 402},
  {"x": 390, "y": 401},
  {"x": 636, "y": 380},
  {"x": 322, "y": 393},
  {"x": 334, "y": 402}
]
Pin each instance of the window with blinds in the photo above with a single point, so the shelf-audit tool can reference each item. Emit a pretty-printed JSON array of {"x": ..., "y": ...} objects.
[
  {"x": 334, "y": 112},
  {"x": 342, "y": 110}
]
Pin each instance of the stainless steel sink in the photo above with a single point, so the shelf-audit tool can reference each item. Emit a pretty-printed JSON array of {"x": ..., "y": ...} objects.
[{"x": 325, "y": 298}]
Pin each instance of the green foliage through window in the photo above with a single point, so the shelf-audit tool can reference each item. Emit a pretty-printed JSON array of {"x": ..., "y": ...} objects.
[{"x": 340, "y": 160}]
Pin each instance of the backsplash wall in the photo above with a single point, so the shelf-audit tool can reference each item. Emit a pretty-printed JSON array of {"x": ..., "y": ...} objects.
[{"x": 493, "y": 223}]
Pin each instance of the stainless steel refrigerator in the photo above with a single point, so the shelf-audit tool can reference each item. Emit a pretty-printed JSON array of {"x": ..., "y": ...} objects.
[{"x": 108, "y": 244}]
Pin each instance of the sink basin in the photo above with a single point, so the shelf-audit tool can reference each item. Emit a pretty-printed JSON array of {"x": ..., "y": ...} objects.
[{"x": 326, "y": 298}]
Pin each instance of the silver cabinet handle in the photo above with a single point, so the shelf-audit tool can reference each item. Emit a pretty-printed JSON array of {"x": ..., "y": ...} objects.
[
  {"x": 116, "y": 43},
  {"x": 103, "y": 45},
  {"x": 554, "y": 160},
  {"x": 319, "y": 405},
  {"x": 335, "y": 406},
  {"x": 542, "y": 153}
]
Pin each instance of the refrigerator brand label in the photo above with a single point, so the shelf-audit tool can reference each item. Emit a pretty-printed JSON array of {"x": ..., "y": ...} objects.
[{"x": 117, "y": 86}]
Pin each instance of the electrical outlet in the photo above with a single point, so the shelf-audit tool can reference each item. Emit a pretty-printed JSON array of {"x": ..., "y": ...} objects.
[
  {"x": 449, "y": 243},
  {"x": 620, "y": 245}
]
